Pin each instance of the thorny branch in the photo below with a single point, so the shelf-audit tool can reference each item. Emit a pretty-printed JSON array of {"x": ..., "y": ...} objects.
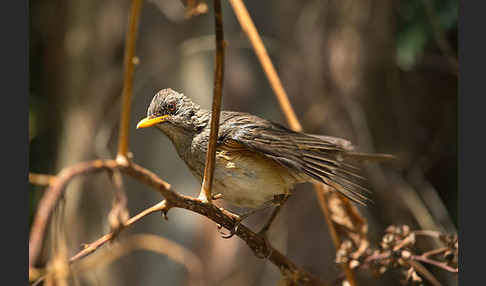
[
  {"x": 173, "y": 199},
  {"x": 249, "y": 28},
  {"x": 216, "y": 108}
]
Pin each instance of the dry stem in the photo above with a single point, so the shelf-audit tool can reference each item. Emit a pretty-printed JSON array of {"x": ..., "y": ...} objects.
[
  {"x": 216, "y": 108},
  {"x": 149, "y": 242},
  {"x": 92, "y": 247},
  {"x": 129, "y": 64},
  {"x": 249, "y": 28},
  {"x": 41, "y": 179}
]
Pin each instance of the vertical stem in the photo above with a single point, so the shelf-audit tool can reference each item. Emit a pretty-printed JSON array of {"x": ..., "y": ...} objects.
[
  {"x": 250, "y": 30},
  {"x": 216, "y": 108},
  {"x": 129, "y": 65}
]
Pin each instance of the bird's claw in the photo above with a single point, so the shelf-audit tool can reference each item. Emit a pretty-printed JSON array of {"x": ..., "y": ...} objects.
[{"x": 232, "y": 230}]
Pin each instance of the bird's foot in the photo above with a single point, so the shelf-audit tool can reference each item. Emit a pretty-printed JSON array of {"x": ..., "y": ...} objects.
[{"x": 234, "y": 229}]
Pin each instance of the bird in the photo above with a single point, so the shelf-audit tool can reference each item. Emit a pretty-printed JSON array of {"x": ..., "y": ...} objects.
[{"x": 258, "y": 162}]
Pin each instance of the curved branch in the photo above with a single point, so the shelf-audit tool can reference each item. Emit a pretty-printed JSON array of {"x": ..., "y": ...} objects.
[
  {"x": 148, "y": 242},
  {"x": 92, "y": 247},
  {"x": 220, "y": 216}
]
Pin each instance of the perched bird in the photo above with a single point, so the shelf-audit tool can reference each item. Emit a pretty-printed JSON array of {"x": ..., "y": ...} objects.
[{"x": 257, "y": 161}]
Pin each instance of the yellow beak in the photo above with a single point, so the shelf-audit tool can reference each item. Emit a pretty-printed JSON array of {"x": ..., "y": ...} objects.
[{"x": 151, "y": 121}]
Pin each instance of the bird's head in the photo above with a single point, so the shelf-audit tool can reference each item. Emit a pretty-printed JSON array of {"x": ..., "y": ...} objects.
[{"x": 171, "y": 110}]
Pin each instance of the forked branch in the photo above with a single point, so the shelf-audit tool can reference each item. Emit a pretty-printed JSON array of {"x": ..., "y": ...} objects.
[{"x": 173, "y": 199}]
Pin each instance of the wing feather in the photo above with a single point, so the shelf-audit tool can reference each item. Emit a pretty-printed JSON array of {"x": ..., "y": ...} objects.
[{"x": 322, "y": 158}]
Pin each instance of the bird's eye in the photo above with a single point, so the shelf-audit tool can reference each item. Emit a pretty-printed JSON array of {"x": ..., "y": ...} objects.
[{"x": 171, "y": 106}]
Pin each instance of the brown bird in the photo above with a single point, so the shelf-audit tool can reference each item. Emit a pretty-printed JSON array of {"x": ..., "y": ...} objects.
[{"x": 257, "y": 161}]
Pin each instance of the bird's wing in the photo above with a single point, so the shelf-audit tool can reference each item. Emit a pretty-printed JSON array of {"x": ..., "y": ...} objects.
[{"x": 321, "y": 158}]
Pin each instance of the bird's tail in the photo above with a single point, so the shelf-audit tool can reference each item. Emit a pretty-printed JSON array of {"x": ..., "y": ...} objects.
[{"x": 375, "y": 157}]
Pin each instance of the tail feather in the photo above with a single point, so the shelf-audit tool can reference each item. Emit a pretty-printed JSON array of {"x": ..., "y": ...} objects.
[{"x": 377, "y": 157}]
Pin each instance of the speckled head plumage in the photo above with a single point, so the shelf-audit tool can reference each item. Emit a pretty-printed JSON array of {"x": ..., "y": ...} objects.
[{"x": 170, "y": 107}]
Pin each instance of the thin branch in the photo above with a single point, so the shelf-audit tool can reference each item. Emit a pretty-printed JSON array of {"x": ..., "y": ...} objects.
[
  {"x": 39, "y": 275},
  {"x": 118, "y": 215},
  {"x": 435, "y": 251},
  {"x": 431, "y": 233},
  {"x": 418, "y": 258},
  {"x": 129, "y": 63},
  {"x": 427, "y": 260},
  {"x": 248, "y": 27},
  {"x": 92, "y": 247},
  {"x": 41, "y": 179},
  {"x": 50, "y": 199},
  {"x": 222, "y": 217},
  {"x": 148, "y": 242},
  {"x": 424, "y": 272},
  {"x": 207, "y": 183}
]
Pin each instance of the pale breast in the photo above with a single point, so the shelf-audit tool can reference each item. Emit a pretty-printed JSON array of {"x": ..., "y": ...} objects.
[{"x": 249, "y": 180}]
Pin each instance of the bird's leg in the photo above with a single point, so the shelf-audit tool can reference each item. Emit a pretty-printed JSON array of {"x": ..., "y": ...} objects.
[
  {"x": 246, "y": 215},
  {"x": 280, "y": 201}
]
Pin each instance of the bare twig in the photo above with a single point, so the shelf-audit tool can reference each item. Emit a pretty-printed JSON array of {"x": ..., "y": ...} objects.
[
  {"x": 92, "y": 247},
  {"x": 207, "y": 183},
  {"x": 129, "y": 63},
  {"x": 435, "y": 251},
  {"x": 424, "y": 272},
  {"x": 118, "y": 214},
  {"x": 41, "y": 179},
  {"x": 396, "y": 251},
  {"x": 174, "y": 199},
  {"x": 249, "y": 28},
  {"x": 49, "y": 201},
  {"x": 139, "y": 241},
  {"x": 427, "y": 260},
  {"x": 149, "y": 242}
]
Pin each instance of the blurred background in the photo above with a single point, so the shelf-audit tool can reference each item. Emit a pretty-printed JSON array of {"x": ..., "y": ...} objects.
[{"x": 380, "y": 73}]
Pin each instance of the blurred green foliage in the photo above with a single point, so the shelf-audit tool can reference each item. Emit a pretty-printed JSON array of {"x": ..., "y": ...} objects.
[{"x": 415, "y": 29}]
